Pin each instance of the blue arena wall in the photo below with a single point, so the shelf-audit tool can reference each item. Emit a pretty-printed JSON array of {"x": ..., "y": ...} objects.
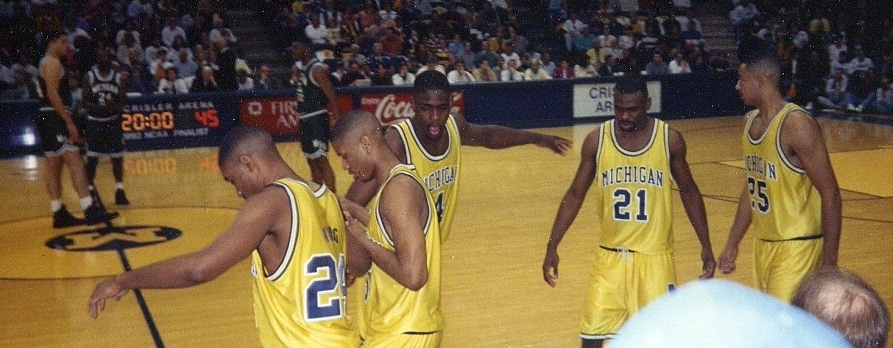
[{"x": 198, "y": 120}]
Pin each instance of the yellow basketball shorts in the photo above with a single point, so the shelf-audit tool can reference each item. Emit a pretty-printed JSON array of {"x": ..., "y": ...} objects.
[
  {"x": 779, "y": 267},
  {"x": 428, "y": 340},
  {"x": 623, "y": 283}
]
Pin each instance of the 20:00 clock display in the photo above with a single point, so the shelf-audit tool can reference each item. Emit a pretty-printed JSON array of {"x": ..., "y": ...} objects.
[{"x": 138, "y": 122}]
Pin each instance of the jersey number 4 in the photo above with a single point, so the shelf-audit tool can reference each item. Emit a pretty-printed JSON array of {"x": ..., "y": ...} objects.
[
  {"x": 759, "y": 200},
  {"x": 623, "y": 200},
  {"x": 322, "y": 300}
]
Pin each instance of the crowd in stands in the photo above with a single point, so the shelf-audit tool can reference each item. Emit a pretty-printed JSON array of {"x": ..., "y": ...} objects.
[
  {"x": 837, "y": 55},
  {"x": 163, "y": 46},
  {"x": 379, "y": 42},
  {"x": 837, "y": 58}
]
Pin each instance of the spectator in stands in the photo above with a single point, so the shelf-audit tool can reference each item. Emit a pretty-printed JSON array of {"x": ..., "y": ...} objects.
[
  {"x": 836, "y": 49},
  {"x": 220, "y": 32},
  {"x": 158, "y": 65},
  {"x": 467, "y": 55},
  {"x": 572, "y": 27},
  {"x": 508, "y": 56},
  {"x": 381, "y": 77},
  {"x": 354, "y": 73},
  {"x": 819, "y": 26},
  {"x": 432, "y": 63},
  {"x": 720, "y": 62},
  {"x": 860, "y": 63},
  {"x": 657, "y": 66},
  {"x": 173, "y": 52},
  {"x": 403, "y": 76},
  {"x": 488, "y": 53},
  {"x": 317, "y": 33},
  {"x": 693, "y": 36},
  {"x": 584, "y": 68},
  {"x": 392, "y": 42},
  {"x": 129, "y": 28},
  {"x": 699, "y": 61},
  {"x": 597, "y": 55},
  {"x": 810, "y": 76},
  {"x": 535, "y": 72},
  {"x": 265, "y": 81},
  {"x": 172, "y": 83},
  {"x": 226, "y": 63},
  {"x": 354, "y": 55},
  {"x": 583, "y": 41},
  {"x": 517, "y": 43},
  {"x": 129, "y": 48},
  {"x": 170, "y": 31},
  {"x": 378, "y": 57},
  {"x": 842, "y": 63},
  {"x": 798, "y": 36},
  {"x": 333, "y": 35},
  {"x": 483, "y": 73},
  {"x": 848, "y": 304},
  {"x": 679, "y": 65},
  {"x": 246, "y": 83},
  {"x": 206, "y": 83},
  {"x": 459, "y": 74},
  {"x": 23, "y": 66},
  {"x": 456, "y": 46},
  {"x": 743, "y": 17},
  {"x": 563, "y": 71},
  {"x": 837, "y": 94},
  {"x": 185, "y": 65},
  {"x": 547, "y": 64},
  {"x": 511, "y": 73},
  {"x": 137, "y": 84},
  {"x": 151, "y": 51}
]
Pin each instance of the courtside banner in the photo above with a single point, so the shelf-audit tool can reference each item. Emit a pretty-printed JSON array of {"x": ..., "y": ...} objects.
[
  {"x": 597, "y": 100},
  {"x": 390, "y": 108},
  {"x": 279, "y": 115}
]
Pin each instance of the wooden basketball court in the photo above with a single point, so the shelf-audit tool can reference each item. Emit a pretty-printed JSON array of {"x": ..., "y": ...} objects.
[{"x": 493, "y": 292}]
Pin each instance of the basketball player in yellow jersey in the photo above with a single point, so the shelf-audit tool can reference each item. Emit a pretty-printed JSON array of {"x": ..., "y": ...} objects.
[
  {"x": 298, "y": 250},
  {"x": 400, "y": 252},
  {"x": 633, "y": 159},
  {"x": 431, "y": 141},
  {"x": 791, "y": 195}
]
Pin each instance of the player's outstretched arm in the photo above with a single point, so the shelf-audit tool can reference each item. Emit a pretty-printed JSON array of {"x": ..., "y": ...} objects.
[
  {"x": 499, "y": 137},
  {"x": 570, "y": 205},
  {"x": 736, "y": 234},
  {"x": 804, "y": 136},
  {"x": 252, "y": 224},
  {"x": 692, "y": 200}
]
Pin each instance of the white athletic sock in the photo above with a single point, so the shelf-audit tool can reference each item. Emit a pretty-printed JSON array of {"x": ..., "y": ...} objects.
[
  {"x": 86, "y": 202},
  {"x": 55, "y": 205},
  {"x": 119, "y": 185},
  {"x": 91, "y": 188}
]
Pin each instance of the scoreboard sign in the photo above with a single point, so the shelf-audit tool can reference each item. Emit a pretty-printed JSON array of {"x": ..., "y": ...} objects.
[{"x": 170, "y": 124}]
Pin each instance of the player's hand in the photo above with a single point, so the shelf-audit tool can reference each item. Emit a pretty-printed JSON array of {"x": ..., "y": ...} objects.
[
  {"x": 354, "y": 226},
  {"x": 550, "y": 267},
  {"x": 709, "y": 263},
  {"x": 107, "y": 289},
  {"x": 727, "y": 260},
  {"x": 558, "y": 145}
]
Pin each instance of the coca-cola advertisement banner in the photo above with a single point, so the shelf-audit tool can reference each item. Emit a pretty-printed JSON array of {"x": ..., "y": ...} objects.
[
  {"x": 390, "y": 108},
  {"x": 279, "y": 115}
]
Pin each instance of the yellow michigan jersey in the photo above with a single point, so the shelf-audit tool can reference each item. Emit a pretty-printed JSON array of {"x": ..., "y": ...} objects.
[
  {"x": 438, "y": 173},
  {"x": 302, "y": 303},
  {"x": 636, "y": 193},
  {"x": 390, "y": 308},
  {"x": 784, "y": 203}
]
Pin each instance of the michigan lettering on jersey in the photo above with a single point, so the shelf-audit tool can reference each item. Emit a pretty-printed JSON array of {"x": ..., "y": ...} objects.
[
  {"x": 440, "y": 178},
  {"x": 757, "y": 165},
  {"x": 632, "y": 175}
]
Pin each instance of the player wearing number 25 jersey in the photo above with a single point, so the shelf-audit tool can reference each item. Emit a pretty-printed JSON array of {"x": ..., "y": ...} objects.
[
  {"x": 633, "y": 160},
  {"x": 790, "y": 197},
  {"x": 302, "y": 303}
]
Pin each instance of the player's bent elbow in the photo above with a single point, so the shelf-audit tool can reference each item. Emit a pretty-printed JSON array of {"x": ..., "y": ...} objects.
[
  {"x": 416, "y": 280},
  {"x": 197, "y": 275}
]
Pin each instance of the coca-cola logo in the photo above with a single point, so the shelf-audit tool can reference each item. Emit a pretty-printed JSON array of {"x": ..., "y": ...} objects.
[{"x": 391, "y": 108}]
